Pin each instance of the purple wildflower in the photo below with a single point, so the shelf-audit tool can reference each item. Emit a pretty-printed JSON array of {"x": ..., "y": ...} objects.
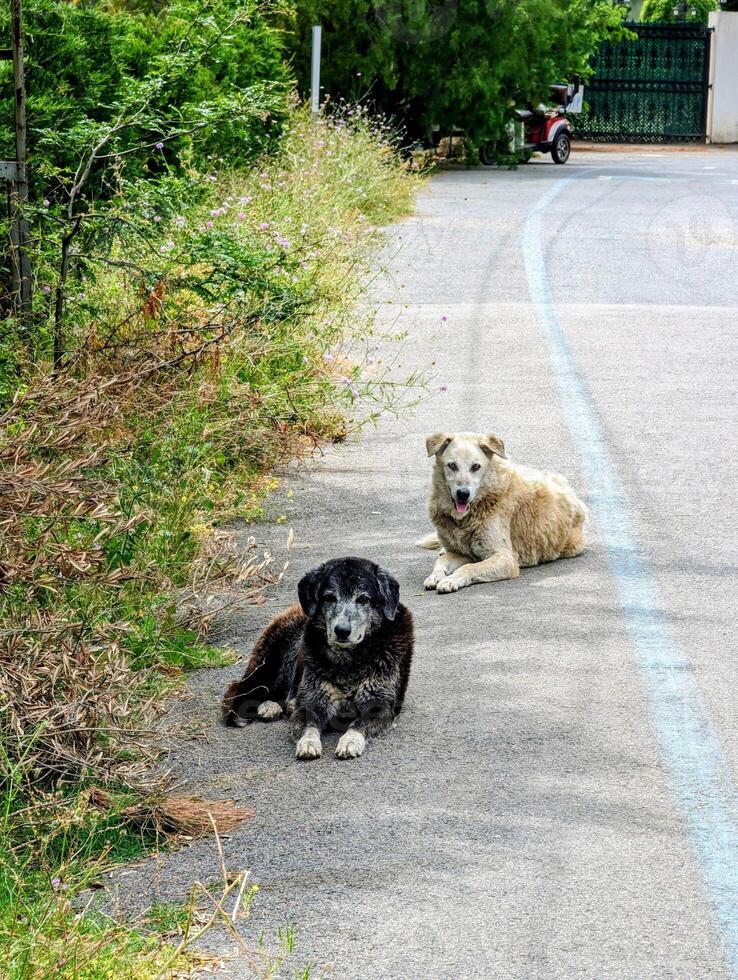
[{"x": 346, "y": 382}]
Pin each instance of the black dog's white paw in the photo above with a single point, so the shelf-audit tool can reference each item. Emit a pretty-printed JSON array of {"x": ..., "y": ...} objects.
[
  {"x": 309, "y": 745},
  {"x": 350, "y": 745},
  {"x": 269, "y": 710}
]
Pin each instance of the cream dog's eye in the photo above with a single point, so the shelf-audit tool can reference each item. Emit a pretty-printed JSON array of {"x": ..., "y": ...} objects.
[
  {"x": 453, "y": 467},
  {"x": 363, "y": 600},
  {"x": 475, "y": 467},
  {"x": 329, "y": 597}
]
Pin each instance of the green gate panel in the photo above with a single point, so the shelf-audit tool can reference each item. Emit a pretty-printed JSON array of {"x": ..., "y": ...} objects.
[{"x": 652, "y": 89}]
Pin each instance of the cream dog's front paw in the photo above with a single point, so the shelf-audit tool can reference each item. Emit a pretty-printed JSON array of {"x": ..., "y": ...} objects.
[
  {"x": 451, "y": 583},
  {"x": 434, "y": 578},
  {"x": 309, "y": 745},
  {"x": 350, "y": 745}
]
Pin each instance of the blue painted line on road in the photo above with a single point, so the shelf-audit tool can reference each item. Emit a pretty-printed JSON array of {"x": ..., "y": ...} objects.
[{"x": 699, "y": 776}]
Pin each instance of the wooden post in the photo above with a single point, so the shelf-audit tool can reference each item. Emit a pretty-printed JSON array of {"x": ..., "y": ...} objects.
[{"x": 19, "y": 232}]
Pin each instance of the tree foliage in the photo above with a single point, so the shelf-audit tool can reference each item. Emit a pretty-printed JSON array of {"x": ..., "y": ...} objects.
[
  {"x": 454, "y": 63},
  {"x": 663, "y": 11}
]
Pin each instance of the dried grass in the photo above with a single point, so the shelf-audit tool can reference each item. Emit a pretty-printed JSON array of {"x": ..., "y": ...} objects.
[
  {"x": 71, "y": 707},
  {"x": 176, "y": 816},
  {"x": 227, "y": 575},
  {"x": 65, "y": 688}
]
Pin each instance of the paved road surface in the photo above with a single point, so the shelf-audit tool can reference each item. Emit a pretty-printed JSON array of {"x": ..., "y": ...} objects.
[{"x": 558, "y": 799}]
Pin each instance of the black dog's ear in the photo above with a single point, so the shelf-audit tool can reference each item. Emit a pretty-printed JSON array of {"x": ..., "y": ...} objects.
[
  {"x": 389, "y": 589},
  {"x": 308, "y": 588}
]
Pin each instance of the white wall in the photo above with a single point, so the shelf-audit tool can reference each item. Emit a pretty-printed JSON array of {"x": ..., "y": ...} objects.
[{"x": 722, "y": 112}]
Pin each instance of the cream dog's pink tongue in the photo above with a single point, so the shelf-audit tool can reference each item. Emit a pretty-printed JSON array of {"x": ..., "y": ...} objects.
[{"x": 461, "y": 508}]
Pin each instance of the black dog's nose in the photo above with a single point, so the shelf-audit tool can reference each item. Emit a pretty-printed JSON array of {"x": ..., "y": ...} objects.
[
  {"x": 462, "y": 494},
  {"x": 342, "y": 632}
]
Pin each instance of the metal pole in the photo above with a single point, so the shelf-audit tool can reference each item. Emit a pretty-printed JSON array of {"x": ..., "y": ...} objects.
[
  {"x": 19, "y": 233},
  {"x": 315, "y": 74}
]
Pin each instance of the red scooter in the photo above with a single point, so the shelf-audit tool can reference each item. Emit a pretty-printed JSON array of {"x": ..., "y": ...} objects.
[{"x": 545, "y": 129}]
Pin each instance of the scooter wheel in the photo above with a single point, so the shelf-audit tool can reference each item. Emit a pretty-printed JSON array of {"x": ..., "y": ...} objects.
[
  {"x": 487, "y": 155},
  {"x": 561, "y": 148}
]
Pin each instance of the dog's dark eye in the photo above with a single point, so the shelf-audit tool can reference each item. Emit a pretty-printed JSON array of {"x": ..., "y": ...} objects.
[
  {"x": 329, "y": 597},
  {"x": 475, "y": 467},
  {"x": 363, "y": 600},
  {"x": 453, "y": 467}
]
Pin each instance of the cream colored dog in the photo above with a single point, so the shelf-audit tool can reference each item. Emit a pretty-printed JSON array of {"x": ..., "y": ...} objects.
[{"x": 492, "y": 516}]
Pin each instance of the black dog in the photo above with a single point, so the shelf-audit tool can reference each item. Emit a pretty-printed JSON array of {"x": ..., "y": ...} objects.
[{"x": 340, "y": 660}]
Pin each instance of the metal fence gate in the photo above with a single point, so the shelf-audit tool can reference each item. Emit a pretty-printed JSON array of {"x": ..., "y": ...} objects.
[{"x": 652, "y": 89}]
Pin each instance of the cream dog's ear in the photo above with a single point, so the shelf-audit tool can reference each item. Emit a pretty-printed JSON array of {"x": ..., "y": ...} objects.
[
  {"x": 492, "y": 445},
  {"x": 436, "y": 443}
]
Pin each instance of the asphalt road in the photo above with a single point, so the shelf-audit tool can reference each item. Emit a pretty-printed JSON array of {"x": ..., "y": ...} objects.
[{"x": 558, "y": 798}]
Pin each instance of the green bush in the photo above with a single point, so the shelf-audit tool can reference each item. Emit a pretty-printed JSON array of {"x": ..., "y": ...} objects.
[
  {"x": 129, "y": 117},
  {"x": 213, "y": 72}
]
